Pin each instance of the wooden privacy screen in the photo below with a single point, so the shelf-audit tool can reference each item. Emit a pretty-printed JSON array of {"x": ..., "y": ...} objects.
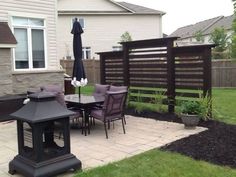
[
  {"x": 111, "y": 68},
  {"x": 156, "y": 63}
]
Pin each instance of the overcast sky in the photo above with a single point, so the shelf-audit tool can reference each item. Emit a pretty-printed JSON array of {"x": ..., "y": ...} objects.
[{"x": 185, "y": 12}]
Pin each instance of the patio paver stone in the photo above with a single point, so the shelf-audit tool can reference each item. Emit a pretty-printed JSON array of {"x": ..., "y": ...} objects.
[{"x": 95, "y": 150}]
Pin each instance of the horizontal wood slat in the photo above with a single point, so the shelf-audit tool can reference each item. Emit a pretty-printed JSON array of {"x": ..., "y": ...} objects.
[
  {"x": 113, "y": 66},
  {"x": 153, "y": 75},
  {"x": 185, "y": 94},
  {"x": 115, "y": 75},
  {"x": 151, "y": 92},
  {"x": 151, "y": 65},
  {"x": 188, "y": 60},
  {"x": 189, "y": 87},
  {"x": 189, "y": 76},
  {"x": 153, "y": 85},
  {"x": 189, "y": 65},
  {"x": 149, "y": 50},
  {"x": 147, "y": 56}
]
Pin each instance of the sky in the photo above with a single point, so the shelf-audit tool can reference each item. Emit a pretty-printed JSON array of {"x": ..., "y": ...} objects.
[{"x": 180, "y": 13}]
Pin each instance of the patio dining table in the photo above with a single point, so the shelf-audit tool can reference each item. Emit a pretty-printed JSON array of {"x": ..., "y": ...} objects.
[{"x": 85, "y": 103}]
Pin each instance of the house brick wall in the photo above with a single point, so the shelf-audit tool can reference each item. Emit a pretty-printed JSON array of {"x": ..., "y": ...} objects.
[
  {"x": 5, "y": 68},
  {"x": 21, "y": 82}
]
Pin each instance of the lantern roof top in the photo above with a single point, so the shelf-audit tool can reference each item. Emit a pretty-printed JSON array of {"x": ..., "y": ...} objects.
[{"x": 42, "y": 107}]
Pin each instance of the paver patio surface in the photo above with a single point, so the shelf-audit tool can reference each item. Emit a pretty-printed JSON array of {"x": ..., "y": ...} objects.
[{"x": 95, "y": 150}]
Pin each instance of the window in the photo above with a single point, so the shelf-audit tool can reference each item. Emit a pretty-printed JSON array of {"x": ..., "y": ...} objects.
[
  {"x": 30, "y": 50},
  {"x": 80, "y": 20},
  {"x": 116, "y": 48},
  {"x": 86, "y": 54}
]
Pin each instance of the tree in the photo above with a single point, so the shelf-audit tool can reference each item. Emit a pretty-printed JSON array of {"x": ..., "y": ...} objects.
[
  {"x": 234, "y": 4},
  {"x": 125, "y": 37},
  {"x": 220, "y": 38},
  {"x": 233, "y": 38},
  {"x": 199, "y": 36}
]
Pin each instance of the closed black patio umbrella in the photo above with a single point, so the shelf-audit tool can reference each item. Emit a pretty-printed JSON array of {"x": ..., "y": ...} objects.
[{"x": 79, "y": 77}]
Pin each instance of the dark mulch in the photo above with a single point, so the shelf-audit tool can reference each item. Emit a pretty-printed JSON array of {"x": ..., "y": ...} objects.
[{"x": 217, "y": 145}]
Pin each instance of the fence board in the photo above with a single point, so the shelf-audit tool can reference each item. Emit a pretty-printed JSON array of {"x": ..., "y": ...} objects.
[
  {"x": 224, "y": 73},
  {"x": 92, "y": 69}
]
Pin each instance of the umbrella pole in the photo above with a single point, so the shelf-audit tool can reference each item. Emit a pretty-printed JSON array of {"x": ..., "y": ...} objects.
[{"x": 79, "y": 92}]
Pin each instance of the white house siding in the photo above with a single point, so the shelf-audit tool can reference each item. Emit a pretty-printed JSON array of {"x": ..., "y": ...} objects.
[
  {"x": 88, "y": 5},
  {"x": 39, "y": 9},
  {"x": 104, "y": 31}
]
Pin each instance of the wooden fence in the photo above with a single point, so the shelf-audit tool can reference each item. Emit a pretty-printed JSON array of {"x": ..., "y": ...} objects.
[
  {"x": 92, "y": 69},
  {"x": 157, "y": 63},
  {"x": 224, "y": 73}
]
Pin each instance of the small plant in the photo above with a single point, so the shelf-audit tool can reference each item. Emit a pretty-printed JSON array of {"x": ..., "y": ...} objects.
[
  {"x": 191, "y": 107},
  {"x": 139, "y": 97},
  {"x": 158, "y": 100},
  {"x": 125, "y": 37},
  {"x": 206, "y": 106},
  {"x": 191, "y": 113},
  {"x": 200, "y": 107},
  {"x": 139, "y": 107}
]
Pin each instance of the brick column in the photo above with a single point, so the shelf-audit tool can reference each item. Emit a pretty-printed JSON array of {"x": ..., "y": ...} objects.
[{"x": 6, "y": 71}]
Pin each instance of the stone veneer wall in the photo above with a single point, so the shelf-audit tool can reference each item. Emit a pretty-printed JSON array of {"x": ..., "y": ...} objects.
[
  {"x": 23, "y": 81},
  {"x": 6, "y": 72}
]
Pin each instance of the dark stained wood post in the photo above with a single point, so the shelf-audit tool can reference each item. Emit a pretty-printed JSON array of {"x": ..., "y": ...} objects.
[
  {"x": 126, "y": 64},
  {"x": 170, "y": 76},
  {"x": 207, "y": 71},
  {"x": 207, "y": 83},
  {"x": 102, "y": 69}
]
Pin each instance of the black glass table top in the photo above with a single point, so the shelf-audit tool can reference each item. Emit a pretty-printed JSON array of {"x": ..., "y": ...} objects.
[{"x": 83, "y": 99}]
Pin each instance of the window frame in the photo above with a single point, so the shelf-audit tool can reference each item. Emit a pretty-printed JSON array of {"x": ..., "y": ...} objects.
[
  {"x": 72, "y": 21},
  {"x": 29, "y": 29},
  {"x": 84, "y": 51}
]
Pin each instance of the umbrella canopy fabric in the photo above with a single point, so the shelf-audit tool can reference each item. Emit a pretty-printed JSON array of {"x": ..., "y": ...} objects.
[{"x": 79, "y": 77}]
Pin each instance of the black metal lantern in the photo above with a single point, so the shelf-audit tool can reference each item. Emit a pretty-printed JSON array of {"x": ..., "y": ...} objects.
[{"x": 43, "y": 138}]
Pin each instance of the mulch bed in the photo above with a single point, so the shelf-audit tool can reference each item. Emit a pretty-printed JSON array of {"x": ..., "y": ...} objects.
[{"x": 217, "y": 145}]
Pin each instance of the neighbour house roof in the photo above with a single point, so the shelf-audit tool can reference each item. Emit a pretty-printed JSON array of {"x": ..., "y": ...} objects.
[
  {"x": 126, "y": 8},
  {"x": 225, "y": 22},
  {"x": 139, "y": 9},
  {"x": 6, "y": 36},
  {"x": 206, "y": 27}
]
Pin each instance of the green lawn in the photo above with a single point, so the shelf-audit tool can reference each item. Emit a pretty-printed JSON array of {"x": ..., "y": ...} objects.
[
  {"x": 87, "y": 90},
  {"x": 156, "y": 163},
  {"x": 224, "y": 105}
]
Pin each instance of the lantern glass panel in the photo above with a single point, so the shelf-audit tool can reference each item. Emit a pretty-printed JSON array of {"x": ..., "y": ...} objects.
[
  {"x": 28, "y": 143},
  {"x": 53, "y": 139},
  {"x": 59, "y": 130},
  {"x": 28, "y": 149}
]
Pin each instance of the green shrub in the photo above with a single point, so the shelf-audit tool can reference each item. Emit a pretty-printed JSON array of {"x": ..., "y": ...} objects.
[
  {"x": 202, "y": 107},
  {"x": 191, "y": 107}
]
